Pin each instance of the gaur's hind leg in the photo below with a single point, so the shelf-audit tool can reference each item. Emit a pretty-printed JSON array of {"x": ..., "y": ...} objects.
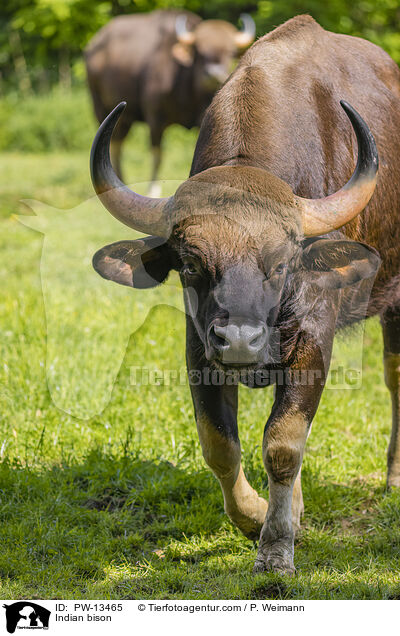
[
  {"x": 119, "y": 134},
  {"x": 115, "y": 156},
  {"x": 156, "y": 133},
  {"x": 154, "y": 187},
  {"x": 297, "y": 503},
  {"x": 216, "y": 418},
  {"x": 391, "y": 358}
]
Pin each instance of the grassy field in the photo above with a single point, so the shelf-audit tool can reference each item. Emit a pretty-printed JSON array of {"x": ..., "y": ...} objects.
[{"x": 103, "y": 489}]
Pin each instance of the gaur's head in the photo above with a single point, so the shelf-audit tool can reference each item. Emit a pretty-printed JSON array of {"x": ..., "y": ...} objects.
[
  {"x": 211, "y": 48},
  {"x": 240, "y": 239}
]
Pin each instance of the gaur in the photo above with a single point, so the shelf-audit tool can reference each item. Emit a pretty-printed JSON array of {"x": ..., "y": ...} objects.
[
  {"x": 284, "y": 232},
  {"x": 167, "y": 64}
]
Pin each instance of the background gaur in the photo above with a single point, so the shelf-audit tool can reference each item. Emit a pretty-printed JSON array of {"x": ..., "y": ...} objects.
[
  {"x": 167, "y": 64},
  {"x": 254, "y": 232}
]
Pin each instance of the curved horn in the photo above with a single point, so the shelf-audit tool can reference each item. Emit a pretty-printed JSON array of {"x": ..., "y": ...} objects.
[
  {"x": 184, "y": 36},
  {"x": 144, "y": 214},
  {"x": 245, "y": 37},
  {"x": 330, "y": 213}
]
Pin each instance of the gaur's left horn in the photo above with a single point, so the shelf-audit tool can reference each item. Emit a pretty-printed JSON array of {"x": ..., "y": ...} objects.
[
  {"x": 245, "y": 37},
  {"x": 144, "y": 214},
  {"x": 321, "y": 216}
]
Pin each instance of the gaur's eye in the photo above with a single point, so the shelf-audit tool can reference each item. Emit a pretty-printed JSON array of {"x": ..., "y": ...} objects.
[
  {"x": 189, "y": 269},
  {"x": 280, "y": 268},
  {"x": 273, "y": 272}
]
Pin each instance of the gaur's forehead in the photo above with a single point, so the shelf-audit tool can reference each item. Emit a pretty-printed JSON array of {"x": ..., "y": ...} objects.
[
  {"x": 215, "y": 36},
  {"x": 235, "y": 213},
  {"x": 245, "y": 194},
  {"x": 219, "y": 242},
  {"x": 235, "y": 231}
]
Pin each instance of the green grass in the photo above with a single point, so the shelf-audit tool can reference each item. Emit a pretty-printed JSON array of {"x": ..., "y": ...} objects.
[{"x": 118, "y": 503}]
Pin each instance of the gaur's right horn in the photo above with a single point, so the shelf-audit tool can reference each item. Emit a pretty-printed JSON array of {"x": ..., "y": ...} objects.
[
  {"x": 244, "y": 38},
  {"x": 144, "y": 214},
  {"x": 321, "y": 216},
  {"x": 184, "y": 36}
]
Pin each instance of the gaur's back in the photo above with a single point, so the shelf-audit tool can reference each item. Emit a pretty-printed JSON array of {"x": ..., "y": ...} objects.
[
  {"x": 128, "y": 41},
  {"x": 292, "y": 80},
  {"x": 280, "y": 110}
]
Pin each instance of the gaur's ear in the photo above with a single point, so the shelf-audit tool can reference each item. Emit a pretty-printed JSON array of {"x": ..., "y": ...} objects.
[
  {"x": 334, "y": 264},
  {"x": 183, "y": 53},
  {"x": 142, "y": 264}
]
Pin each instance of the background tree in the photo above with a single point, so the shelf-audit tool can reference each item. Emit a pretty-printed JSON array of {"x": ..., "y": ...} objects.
[{"x": 42, "y": 40}]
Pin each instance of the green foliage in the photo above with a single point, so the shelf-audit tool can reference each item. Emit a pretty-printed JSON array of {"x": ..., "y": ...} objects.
[
  {"x": 375, "y": 20},
  {"x": 48, "y": 36},
  {"x": 51, "y": 33},
  {"x": 59, "y": 120},
  {"x": 63, "y": 121}
]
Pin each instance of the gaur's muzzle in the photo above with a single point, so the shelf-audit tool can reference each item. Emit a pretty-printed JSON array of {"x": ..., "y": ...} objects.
[{"x": 237, "y": 342}]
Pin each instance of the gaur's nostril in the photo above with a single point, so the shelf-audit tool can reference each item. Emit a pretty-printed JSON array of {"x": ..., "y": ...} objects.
[
  {"x": 258, "y": 338},
  {"x": 218, "y": 337},
  {"x": 220, "y": 340},
  {"x": 254, "y": 341}
]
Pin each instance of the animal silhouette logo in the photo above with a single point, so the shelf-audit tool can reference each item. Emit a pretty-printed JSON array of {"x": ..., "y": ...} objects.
[
  {"x": 80, "y": 306},
  {"x": 26, "y": 615}
]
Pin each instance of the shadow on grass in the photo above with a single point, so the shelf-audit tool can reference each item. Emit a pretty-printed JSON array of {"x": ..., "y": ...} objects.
[
  {"x": 83, "y": 520},
  {"x": 124, "y": 527}
]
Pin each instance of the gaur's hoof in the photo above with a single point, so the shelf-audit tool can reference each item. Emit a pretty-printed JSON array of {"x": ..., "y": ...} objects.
[{"x": 279, "y": 566}]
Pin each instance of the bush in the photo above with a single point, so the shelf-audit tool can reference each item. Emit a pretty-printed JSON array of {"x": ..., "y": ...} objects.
[
  {"x": 49, "y": 36},
  {"x": 60, "y": 120}
]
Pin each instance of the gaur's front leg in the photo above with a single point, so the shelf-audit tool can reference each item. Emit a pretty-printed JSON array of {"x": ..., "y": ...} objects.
[
  {"x": 285, "y": 435},
  {"x": 216, "y": 418}
]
